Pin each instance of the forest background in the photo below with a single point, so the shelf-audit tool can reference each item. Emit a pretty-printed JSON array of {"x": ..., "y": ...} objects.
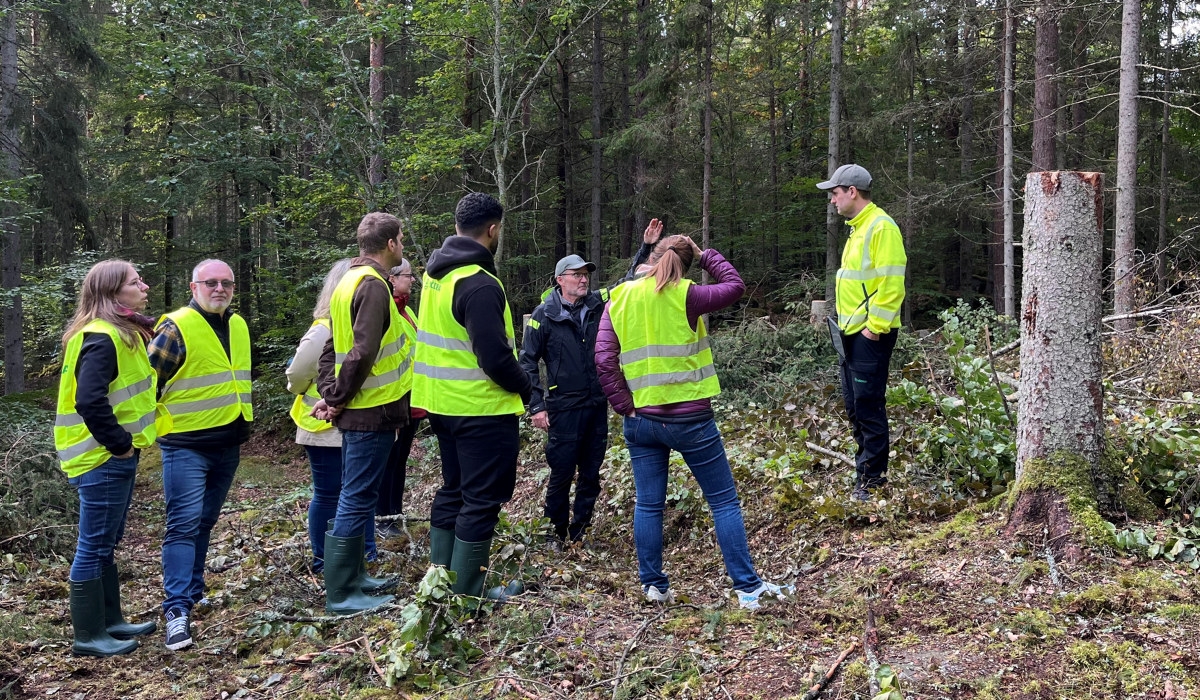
[{"x": 168, "y": 132}]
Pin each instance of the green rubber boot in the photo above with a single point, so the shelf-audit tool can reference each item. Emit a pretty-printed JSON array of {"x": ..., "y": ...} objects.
[
  {"x": 470, "y": 562},
  {"x": 343, "y": 589},
  {"x": 114, "y": 619},
  {"x": 87, "y": 617},
  {"x": 441, "y": 546},
  {"x": 368, "y": 583}
]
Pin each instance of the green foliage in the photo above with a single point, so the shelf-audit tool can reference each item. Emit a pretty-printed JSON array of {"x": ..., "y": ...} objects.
[
  {"x": 889, "y": 684},
  {"x": 759, "y": 362},
  {"x": 37, "y": 505},
  {"x": 430, "y": 637},
  {"x": 963, "y": 433},
  {"x": 1162, "y": 449},
  {"x": 1178, "y": 543}
]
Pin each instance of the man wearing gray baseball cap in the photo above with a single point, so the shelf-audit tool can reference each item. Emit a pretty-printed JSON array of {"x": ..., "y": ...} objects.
[
  {"x": 570, "y": 405},
  {"x": 870, "y": 290}
]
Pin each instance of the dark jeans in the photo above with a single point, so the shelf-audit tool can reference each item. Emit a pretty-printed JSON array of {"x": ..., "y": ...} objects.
[
  {"x": 104, "y": 496},
  {"x": 479, "y": 472},
  {"x": 391, "y": 489},
  {"x": 195, "y": 483},
  {"x": 326, "y": 465},
  {"x": 864, "y": 385},
  {"x": 364, "y": 457},
  {"x": 578, "y": 439}
]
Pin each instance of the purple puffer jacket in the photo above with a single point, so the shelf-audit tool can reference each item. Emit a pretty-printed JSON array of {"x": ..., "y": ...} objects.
[{"x": 727, "y": 287}]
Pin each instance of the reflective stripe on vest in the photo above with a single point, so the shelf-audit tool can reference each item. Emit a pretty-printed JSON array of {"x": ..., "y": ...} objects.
[
  {"x": 303, "y": 405},
  {"x": 858, "y": 281},
  {"x": 211, "y": 388},
  {"x": 448, "y": 379},
  {"x": 391, "y": 373},
  {"x": 664, "y": 361},
  {"x": 131, "y": 396}
]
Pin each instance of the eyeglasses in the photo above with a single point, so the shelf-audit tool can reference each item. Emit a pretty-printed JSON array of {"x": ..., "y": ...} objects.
[
  {"x": 212, "y": 284},
  {"x": 576, "y": 274}
]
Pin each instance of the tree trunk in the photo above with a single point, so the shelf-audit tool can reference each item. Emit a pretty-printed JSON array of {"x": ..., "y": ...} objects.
[
  {"x": 1010, "y": 47},
  {"x": 1045, "y": 90},
  {"x": 375, "y": 162},
  {"x": 832, "y": 225},
  {"x": 1060, "y": 427},
  {"x": 706, "y": 184},
  {"x": 1160, "y": 257},
  {"x": 597, "y": 152},
  {"x": 1125, "y": 234},
  {"x": 10, "y": 278},
  {"x": 565, "y": 242},
  {"x": 966, "y": 148}
]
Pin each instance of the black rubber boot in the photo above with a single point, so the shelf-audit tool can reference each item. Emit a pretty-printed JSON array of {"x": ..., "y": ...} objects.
[
  {"x": 114, "y": 619},
  {"x": 441, "y": 546},
  {"x": 470, "y": 562},
  {"x": 87, "y": 617},
  {"x": 343, "y": 591}
]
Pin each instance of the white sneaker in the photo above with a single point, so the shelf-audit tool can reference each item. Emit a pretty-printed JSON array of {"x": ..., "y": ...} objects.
[
  {"x": 750, "y": 601},
  {"x": 656, "y": 596}
]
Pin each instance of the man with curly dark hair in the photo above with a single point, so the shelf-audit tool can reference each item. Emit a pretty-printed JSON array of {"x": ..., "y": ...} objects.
[{"x": 468, "y": 380}]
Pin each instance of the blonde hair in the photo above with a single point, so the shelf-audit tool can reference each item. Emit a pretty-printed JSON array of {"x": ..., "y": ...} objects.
[
  {"x": 335, "y": 274},
  {"x": 98, "y": 300},
  {"x": 670, "y": 261}
]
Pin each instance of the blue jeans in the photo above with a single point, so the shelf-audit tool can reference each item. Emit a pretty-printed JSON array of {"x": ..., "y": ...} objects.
[
  {"x": 326, "y": 464},
  {"x": 195, "y": 483},
  {"x": 364, "y": 457},
  {"x": 104, "y": 496},
  {"x": 650, "y": 443}
]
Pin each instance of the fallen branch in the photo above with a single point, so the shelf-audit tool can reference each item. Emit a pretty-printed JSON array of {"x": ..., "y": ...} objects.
[
  {"x": 829, "y": 453},
  {"x": 366, "y": 645},
  {"x": 870, "y": 639},
  {"x": 268, "y": 616},
  {"x": 629, "y": 647},
  {"x": 36, "y": 529},
  {"x": 1052, "y": 568},
  {"x": 819, "y": 686}
]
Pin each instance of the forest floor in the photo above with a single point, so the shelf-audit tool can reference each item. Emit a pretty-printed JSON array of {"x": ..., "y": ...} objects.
[{"x": 958, "y": 610}]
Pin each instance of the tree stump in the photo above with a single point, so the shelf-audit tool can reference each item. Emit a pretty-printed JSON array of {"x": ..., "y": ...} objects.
[{"x": 1060, "y": 426}]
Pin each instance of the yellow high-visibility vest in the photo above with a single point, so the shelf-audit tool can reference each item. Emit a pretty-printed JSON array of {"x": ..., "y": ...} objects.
[
  {"x": 391, "y": 374},
  {"x": 448, "y": 379},
  {"x": 664, "y": 361},
  {"x": 870, "y": 282},
  {"x": 131, "y": 396},
  {"x": 304, "y": 403},
  {"x": 211, "y": 388}
]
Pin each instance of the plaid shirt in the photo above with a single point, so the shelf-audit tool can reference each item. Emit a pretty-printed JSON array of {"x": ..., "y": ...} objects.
[{"x": 167, "y": 351}]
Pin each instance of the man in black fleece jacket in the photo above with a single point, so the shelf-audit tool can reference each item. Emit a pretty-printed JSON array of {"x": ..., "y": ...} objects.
[{"x": 467, "y": 377}]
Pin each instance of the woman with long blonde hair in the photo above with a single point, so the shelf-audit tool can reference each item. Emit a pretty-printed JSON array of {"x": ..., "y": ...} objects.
[
  {"x": 105, "y": 417},
  {"x": 656, "y": 368}
]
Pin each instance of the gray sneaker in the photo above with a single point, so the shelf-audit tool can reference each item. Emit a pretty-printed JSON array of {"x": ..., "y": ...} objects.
[{"x": 654, "y": 595}]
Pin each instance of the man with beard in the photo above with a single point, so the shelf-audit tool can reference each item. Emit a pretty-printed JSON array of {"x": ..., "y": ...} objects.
[{"x": 467, "y": 378}]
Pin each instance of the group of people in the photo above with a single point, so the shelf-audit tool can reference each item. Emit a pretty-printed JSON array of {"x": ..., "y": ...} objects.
[{"x": 369, "y": 369}]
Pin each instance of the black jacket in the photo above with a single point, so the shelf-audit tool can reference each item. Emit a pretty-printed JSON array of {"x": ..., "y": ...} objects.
[
  {"x": 566, "y": 342},
  {"x": 479, "y": 304}
]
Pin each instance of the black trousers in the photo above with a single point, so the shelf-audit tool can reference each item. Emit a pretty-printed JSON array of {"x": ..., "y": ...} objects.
[
  {"x": 864, "y": 385},
  {"x": 578, "y": 440},
  {"x": 479, "y": 472},
  {"x": 391, "y": 489}
]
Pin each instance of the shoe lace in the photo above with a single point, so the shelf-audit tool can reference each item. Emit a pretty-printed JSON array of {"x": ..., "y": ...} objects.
[{"x": 177, "y": 626}]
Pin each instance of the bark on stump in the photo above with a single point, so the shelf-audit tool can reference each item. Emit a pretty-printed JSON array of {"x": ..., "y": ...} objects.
[{"x": 1060, "y": 426}]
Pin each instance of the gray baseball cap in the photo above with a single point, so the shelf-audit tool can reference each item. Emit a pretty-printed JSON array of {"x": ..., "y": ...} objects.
[
  {"x": 572, "y": 262},
  {"x": 849, "y": 175}
]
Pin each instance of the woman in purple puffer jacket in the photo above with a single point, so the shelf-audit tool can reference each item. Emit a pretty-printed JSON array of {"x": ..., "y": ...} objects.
[{"x": 655, "y": 365}]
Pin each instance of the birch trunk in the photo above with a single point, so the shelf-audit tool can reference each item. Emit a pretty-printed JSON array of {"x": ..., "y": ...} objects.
[{"x": 1060, "y": 426}]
